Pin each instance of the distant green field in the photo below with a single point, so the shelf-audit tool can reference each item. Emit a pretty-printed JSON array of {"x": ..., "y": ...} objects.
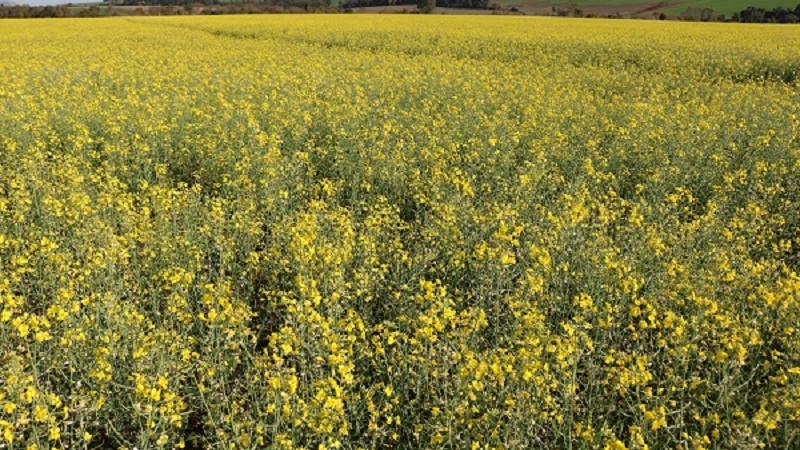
[
  {"x": 728, "y": 7},
  {"x": 628, "y": 7}
]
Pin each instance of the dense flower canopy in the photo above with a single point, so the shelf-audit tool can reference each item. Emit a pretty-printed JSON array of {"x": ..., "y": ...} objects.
[{"x": 398, "y": 232}]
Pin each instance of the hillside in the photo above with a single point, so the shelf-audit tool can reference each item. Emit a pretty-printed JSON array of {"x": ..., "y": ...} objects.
[{"x": 642, "y": 7}]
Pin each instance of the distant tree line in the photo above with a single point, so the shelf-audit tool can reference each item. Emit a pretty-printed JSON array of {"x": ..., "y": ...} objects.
[
  {"x": 25, "y": 11},
  {"x": 209, "y": 3},
  {"x": 166, "y": 9},
  {"x": 350, "y": 4},
  {"x": 750, "y": 14},
  {"x": 753, "y": 14},
  {"x": 694, "y": 14},
  {"x": 423, "y": 5},
  {"x": 214, "y": 7},
  {"x": 227, "y": 6},
  {"x": 471, "y": 4}
]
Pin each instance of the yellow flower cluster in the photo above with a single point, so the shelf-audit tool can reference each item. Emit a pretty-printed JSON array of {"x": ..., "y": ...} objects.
[{"x": 308, "y": 232}]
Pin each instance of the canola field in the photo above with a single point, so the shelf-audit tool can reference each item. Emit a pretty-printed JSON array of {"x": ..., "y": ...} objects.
[{"x": 399, "y": 232}]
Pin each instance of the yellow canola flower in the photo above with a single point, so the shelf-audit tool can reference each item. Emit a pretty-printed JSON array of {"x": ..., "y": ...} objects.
[{"x": 405, "y": 231}]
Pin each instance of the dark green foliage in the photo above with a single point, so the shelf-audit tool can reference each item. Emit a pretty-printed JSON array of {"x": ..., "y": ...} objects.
[
  {"x": 164, "y": 8},
  {"x": 426, "y": 6},
  {"x": 702, "y": 15},
  {"x": 474, "y": 4},
  {"x": 753, "y": 14},
  {"x": 348, "y": 4}
]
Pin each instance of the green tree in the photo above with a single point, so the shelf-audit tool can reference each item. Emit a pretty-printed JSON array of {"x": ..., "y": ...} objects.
[{"x": 426, "y": 6}]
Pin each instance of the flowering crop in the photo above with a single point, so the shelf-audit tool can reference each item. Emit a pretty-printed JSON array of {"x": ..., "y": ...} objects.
[{"x": 409, "y": 232}]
